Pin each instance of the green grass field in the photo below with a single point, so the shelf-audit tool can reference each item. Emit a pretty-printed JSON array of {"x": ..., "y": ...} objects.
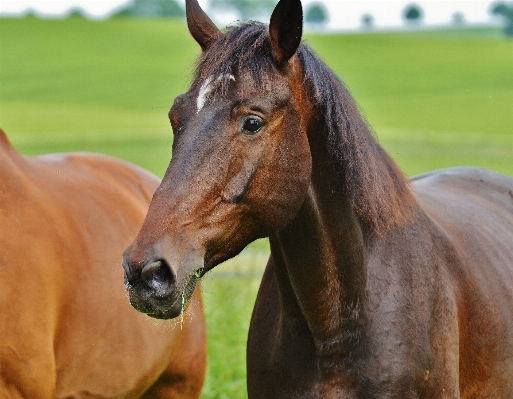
[{"x": 434, "y": 99}]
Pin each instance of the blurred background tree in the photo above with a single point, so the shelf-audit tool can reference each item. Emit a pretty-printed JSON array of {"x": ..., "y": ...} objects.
[
  {"x": 316, "y": 14},
  {"x": 245, "y": 9},
  {"x": 458, "y": 19},
  {"x": 367, "y": 21},
  {"x": 505, "y": 11},
  {"x": 151, "y": 8},
  {"x": 412, "y": 14},
  {"x": 76, "y": 12},
  {"x": 30, "y": 13}
]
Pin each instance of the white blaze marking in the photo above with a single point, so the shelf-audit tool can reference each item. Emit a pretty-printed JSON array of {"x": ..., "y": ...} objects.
[
  {"x": 204, "y": 91},
  {"x": 206, "y": 88}
]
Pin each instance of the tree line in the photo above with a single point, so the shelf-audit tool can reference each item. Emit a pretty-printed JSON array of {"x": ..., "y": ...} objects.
[{"x": 315, "y": 13}]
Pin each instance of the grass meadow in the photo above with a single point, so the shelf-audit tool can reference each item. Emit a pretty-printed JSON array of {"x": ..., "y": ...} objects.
[{"x": 435, "y": 99}]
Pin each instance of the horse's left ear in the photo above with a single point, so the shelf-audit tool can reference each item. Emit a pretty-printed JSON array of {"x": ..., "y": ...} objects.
[{"x": 285, "y": 30}]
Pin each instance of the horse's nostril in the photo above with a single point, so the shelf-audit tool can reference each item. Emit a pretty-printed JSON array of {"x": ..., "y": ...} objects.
[{"x": 157, "y": 276}]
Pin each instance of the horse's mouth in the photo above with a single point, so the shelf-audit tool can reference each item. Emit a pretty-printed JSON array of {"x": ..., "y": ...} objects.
[{"x": 157, "y": 306}]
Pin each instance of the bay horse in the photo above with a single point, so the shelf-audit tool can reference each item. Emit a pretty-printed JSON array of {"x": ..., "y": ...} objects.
[
  {"x": 67, "y": 329},
  {"x": 377, "y": 286}
]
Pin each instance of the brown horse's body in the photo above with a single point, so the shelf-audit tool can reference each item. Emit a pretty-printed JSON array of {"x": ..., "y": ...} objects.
[
  {"x": 68, "y": 330},
  {"x": 437, "y": 320},
  {"x": 377, "y": 287}
]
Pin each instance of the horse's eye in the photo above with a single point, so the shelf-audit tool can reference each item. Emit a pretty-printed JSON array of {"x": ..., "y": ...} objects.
[{"x": 252, "y": 125}]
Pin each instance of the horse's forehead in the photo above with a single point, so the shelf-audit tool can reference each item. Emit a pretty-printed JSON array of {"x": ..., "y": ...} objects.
[
  {"x": 241, "y": 86},
  {"x": 208, "y": 87}
]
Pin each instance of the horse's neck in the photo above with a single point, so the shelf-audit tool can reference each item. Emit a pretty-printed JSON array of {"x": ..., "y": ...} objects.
[{"x": 321, "y": 267}]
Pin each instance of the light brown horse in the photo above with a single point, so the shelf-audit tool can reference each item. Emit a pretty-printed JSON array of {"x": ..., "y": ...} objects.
[
  {"x": 376, "y": 287},
  {"x": 67, "y": 329}
]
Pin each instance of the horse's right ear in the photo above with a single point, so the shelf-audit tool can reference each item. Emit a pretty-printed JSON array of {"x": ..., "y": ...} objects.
[
  {"x": 201, "y": 27},
  {"x": 285, "y": 30}
]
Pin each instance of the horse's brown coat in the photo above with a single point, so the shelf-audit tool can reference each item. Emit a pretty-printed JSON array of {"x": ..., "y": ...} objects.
[
  {"x": 376, "y": 287},
  {"x": 67, "y": 329}
]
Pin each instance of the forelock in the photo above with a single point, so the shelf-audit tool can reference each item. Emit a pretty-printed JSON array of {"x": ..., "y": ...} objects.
[{"x": 242, "y": 49}]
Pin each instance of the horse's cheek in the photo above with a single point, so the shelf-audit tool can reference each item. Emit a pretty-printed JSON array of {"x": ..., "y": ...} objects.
[
  {"x": 289, "y": 178},
  {"x": 298, "y": 166}
]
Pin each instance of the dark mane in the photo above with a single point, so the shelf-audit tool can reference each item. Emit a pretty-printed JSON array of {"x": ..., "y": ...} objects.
[{"x": 376, "y": 186}]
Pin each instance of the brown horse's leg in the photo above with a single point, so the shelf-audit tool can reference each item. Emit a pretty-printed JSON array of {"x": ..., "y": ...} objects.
[{"x": 184, "y": 376}]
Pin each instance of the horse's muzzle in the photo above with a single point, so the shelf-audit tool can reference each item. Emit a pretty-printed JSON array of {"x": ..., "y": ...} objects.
[{"x": 153, "y": 288}]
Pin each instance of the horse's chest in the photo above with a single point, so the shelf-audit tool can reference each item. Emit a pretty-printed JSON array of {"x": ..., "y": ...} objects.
[{"x": 283, "y": 363}]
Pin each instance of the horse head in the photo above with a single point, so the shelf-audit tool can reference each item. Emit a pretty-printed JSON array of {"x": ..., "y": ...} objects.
[{"x": 241, "y": 161}]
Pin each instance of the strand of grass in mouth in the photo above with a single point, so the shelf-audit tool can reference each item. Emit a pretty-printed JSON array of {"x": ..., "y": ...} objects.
[
  {"x": 197, "y": 274},
  {"x": 182, "y": 311}
]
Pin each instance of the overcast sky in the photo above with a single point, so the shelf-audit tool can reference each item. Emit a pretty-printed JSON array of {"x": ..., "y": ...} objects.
[{"x": 344, "y": 14}]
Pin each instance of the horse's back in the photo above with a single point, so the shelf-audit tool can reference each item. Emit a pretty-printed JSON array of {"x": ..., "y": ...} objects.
[
  {"x": 473, "y": 209},
  {"x": 70, "y": 329},
  {"x": 468, "y": 182}
]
